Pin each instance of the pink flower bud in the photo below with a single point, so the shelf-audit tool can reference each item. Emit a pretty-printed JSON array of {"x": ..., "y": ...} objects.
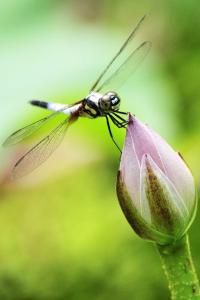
[{"x": 155, "y": 188}]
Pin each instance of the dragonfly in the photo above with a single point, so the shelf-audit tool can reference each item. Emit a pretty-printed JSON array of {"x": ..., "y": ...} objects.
[{"x": 102, "y": 101}]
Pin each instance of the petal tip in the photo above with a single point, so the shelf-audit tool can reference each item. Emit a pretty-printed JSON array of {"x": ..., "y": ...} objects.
[{"x": 131, "y": 118}]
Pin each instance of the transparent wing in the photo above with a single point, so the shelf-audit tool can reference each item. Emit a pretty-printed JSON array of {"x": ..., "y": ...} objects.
[
  {"x": 114, "y": 60},
  {"x": 41, "y": 151},
  {"x": 26, "y": 131},
  {"x": 126, "y": 69}
]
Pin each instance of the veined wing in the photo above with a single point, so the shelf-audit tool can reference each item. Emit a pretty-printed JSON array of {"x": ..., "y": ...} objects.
[
  {"x": 96, "y": 86},
  {"x": 41, "y": 151},
  {"x": 26, "y": 131},
  {"x": 126, "y": 69}
]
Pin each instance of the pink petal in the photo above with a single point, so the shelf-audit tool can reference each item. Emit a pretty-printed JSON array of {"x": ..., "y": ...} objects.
[
  {"x": 130, "y": 169},
  {"x": 143, "y": 142},
  {"x": 146, "y": 141}
]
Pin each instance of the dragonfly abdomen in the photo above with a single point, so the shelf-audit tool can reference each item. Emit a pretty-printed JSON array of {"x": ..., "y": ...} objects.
[
  {"x": 57, "y": 107},
  {"x": 39, "y": 103}
]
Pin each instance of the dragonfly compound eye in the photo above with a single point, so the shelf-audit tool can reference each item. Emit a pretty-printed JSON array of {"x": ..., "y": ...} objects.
[
  {"x": 115, "y": 101},
  {"x": 110, "y": 101}
]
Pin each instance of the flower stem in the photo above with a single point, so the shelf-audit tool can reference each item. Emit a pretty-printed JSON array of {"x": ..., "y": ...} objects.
[{"x": 180, "y": 271}]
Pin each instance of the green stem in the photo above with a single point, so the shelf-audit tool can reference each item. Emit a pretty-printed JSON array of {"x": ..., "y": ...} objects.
[{"x": 180, "y": 271}]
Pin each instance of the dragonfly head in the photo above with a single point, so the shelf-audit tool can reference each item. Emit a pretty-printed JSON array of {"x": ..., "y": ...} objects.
[{"x": 109, "y": 101}]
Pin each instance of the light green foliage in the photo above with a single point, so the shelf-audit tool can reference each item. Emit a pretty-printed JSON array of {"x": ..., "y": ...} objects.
[{"x": 68, "y": 238}]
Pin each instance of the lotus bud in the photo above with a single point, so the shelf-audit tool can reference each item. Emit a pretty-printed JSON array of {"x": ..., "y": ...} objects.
[{"x": 155, "y": 187}]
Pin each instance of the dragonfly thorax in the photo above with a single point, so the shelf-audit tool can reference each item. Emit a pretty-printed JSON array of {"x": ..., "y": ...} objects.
[{"x": 97, "y": 104}]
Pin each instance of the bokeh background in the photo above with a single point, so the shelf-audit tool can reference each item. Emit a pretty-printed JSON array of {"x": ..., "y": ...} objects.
[{"x": 62, "y": 233}]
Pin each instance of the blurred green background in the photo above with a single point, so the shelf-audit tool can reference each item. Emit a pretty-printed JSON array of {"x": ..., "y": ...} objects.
[{"x": 62, "y": 233}]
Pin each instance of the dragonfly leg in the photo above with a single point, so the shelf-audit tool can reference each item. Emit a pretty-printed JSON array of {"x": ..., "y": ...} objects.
[
  {"x": 111, "y": 135},
  {"x": 119, "y": 117},
  {"x": 117, "y": 122},
  {"x": 114, "y": 121},
  {"x": 122, "y": 112}
]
